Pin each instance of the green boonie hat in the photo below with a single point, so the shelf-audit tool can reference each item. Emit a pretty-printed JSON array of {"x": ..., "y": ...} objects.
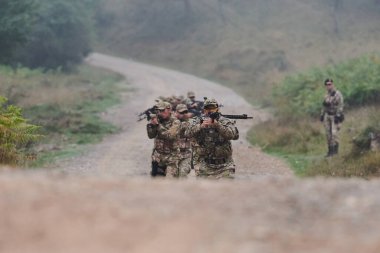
[
  {"x": 190, "y": 94},
  {"x": 181, "y": 108},
  {"x": 162, "y": 105},
  {"x": 210, "y": 103}
]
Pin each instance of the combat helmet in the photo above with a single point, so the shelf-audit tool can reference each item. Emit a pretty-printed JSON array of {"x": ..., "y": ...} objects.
[
  {"x": 162, "y": 105},
  {"x": 181, "y": 108},
  {"x": 210, "y": 103}
]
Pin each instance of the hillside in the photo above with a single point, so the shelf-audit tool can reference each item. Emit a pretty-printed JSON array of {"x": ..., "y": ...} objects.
[{"x": 245, "y": 44}]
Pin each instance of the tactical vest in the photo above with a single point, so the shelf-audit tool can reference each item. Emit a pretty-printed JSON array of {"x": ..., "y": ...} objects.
[
  {"x": 212, "y": 144},
  {"x": 165, "y": 145},
  {"x": 332, "y": 102}
]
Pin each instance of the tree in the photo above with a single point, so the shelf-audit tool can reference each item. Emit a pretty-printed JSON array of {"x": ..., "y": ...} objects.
[
  {"x": 62, "y": 35},
  {"x": 16, "y": 19}
]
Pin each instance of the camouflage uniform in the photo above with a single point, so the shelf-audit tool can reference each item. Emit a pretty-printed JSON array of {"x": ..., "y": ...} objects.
[
  {"x": 332, "y": 117},
  {"x": 166, "y": 152},
  {"x": 214, "y": 151},
  {"x": 185, "y": 149},
  {"x": 190, "y": 102}
]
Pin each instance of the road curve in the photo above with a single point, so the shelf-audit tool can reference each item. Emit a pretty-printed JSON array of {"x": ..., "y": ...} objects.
[{"x": 104, "y": 201}]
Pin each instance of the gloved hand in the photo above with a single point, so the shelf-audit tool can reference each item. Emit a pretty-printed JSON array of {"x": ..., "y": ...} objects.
[
  {"x": 326, "y": 103},
  {"x": 339, "y": 118},
  {"x": 322, "y": 118}
]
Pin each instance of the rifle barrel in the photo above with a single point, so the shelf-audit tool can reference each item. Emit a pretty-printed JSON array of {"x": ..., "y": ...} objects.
[{"x": 238, "y": 116}]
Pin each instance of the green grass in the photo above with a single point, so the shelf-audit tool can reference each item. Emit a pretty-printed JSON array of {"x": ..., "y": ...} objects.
[
  {"x": 298, "y": 136},
  {"x": 66, "y": 106}
]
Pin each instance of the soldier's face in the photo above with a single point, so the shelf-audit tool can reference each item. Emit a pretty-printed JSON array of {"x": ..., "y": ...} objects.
[
  {"x": 329, "y": 86},
  {"x": 182, "y": 115},
  {"x": 210, "y": 110},
  {"x": 164, "y": 114}
]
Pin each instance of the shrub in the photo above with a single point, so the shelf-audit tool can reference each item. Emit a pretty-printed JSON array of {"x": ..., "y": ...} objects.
[
  {"x": 15, "y": 134},
  {"x": 357, "y": 79}
]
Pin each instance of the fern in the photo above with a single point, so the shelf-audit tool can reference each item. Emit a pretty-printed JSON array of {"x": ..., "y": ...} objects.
[{"x": 15, "y": 134}]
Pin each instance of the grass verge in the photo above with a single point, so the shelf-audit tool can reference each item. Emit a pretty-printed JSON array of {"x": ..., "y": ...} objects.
[{"x": 68, "y": 107}]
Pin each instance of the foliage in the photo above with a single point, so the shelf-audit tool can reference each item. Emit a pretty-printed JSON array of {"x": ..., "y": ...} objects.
[
  {"x": 15, "y": 134},
  {"x": 357, "y": 79},
  {"x": 362, "y": 142},
  {"x": 16, "y": 19},
  {"x": 366, "y": 166},
  {"x": 68, "y": 107},
  {"x": 287, "y": 135},
  {"x": 62, "y": 35}
]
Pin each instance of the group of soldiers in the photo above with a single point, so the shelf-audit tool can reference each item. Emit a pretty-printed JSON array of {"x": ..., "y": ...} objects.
[{"x": 191, "y": 134}]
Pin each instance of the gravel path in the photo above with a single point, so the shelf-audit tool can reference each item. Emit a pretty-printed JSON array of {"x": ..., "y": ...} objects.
[{"x": 104, "y": 201}]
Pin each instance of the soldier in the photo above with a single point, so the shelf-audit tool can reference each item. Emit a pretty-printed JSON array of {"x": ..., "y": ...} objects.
[
  {"x": 183, "y": 116},
  {"x": 194, "y": 106},
  {"x": 164, "y": 129},
  {"x": 213, "y": 133},
  {"x": 332, "y": 116}
]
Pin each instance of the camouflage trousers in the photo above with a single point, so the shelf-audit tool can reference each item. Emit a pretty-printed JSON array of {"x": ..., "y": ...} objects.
[
  {"x": 208, "y": 170},
  {"x": 332, "y": 130},
  {"x": 185, "y": 163},
  {"x": 169, "y": 162}
]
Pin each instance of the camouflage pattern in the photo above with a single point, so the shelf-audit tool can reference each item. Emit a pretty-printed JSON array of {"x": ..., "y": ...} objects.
[
  {"x": 166, "y": 147},
  {"x": 214, "y": 151},
  {"x": 185, "y": 149},
  {"x": 172, "y": 100},
  {"x": 210, "y": 103},
  {"x": 193, "y": 105},
  {"x": 332, "y": 106}
]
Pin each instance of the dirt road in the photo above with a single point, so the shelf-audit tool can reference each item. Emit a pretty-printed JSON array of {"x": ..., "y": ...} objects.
[{"x": 104, "y": 201}]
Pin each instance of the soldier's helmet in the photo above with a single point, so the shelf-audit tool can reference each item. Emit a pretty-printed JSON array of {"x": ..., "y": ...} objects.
[
  {"x": 210, "y": 103},
  {"x": 162, "y": 105},
  {"x": 191, "y": 94},
  {"x": 181, "y": 108}
]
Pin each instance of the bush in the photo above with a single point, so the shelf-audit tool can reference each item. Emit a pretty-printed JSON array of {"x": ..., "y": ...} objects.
[
  {"x": 61, "y": 36},
  {"x": 15, "y": 134},
  {"x": 357, "y": 79}
]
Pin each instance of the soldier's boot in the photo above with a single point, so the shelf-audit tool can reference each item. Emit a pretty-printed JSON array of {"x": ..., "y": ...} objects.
[{"x": 330, "y": 151}]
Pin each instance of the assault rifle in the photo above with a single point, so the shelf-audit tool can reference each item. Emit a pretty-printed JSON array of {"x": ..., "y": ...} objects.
[
  {"x": 216, "y": 115},
  {"x": 148, "y": 114}
]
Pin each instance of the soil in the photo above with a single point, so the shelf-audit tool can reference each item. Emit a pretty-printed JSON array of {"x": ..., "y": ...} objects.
[{"x": 105, "y": 201}]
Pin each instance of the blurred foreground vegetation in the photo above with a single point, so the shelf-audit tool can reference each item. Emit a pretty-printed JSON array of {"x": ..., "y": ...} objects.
[
  {"x": 296, "y": 133},
  {"x": 66, "y": 106}
]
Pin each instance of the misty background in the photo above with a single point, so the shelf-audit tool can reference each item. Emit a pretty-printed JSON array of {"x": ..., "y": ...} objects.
[
  {"x": 246, "y": 44},
  {"x": 275, "y": 53}
]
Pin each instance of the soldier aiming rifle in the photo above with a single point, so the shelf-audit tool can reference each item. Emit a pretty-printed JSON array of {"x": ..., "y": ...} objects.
[{"x": 148, "y": 114}]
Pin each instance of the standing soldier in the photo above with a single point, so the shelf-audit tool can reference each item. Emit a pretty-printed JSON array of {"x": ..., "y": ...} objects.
[
  {"x": 213, "y": 133},
  {"x": 183, "y": 116},
  {"x": 164, "y": 129},
  {"x": 332, "y": 116}
]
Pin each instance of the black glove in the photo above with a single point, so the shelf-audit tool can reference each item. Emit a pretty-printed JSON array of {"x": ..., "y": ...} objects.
[
  {"x": 339, "y": 118},
  {"x": 322, "y": 118},
  {"x": 326, "y": 103}
]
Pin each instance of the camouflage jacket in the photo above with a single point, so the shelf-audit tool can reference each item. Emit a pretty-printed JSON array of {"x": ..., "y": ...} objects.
[
  {"x": 184, "y": 141},
  {"x": 165, "y": 135},
  {"x": 333, "y": 103},
  {"x": 213, "y": 142}
]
